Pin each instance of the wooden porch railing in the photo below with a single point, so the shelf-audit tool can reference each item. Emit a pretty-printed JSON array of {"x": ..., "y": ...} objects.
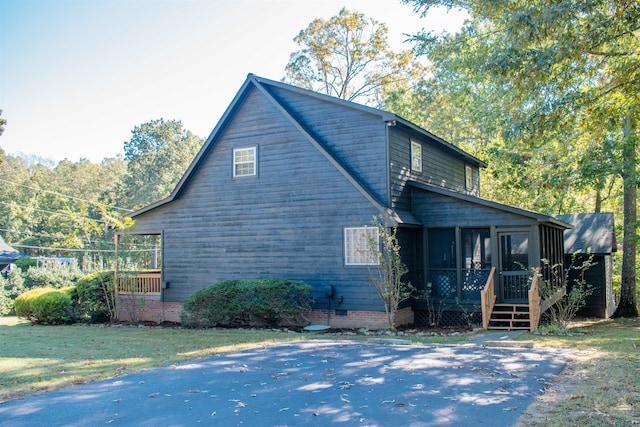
[
  {"x": 488, "y": 298},
  {"x": 534, "y": 303},
  {"x": 139, "y": 283}
]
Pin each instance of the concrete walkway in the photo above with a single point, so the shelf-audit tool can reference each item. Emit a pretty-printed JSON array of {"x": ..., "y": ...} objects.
[
  {"x": 498, "y": 338},
  {"x": 313, "y": 383}
]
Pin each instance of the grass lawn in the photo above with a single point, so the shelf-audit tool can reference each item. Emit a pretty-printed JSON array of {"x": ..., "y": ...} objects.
[
  {"x": 601, "y": 387},
  {"x": 39, "y": 358}
]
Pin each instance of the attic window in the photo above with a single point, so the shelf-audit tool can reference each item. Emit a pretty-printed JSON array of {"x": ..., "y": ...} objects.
[
  {"x": 416, "y": 156},
  {"x": 468, "y": 175},
  {"x": 244, "y": 161},
  {"x": 358, "y": 243}
]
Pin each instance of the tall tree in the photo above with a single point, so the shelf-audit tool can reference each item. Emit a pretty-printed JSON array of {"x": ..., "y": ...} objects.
[
  {"x": 566, "y": 75},
  {"x": 348, "y": 57},
  {"x": 157, "y": 156}
]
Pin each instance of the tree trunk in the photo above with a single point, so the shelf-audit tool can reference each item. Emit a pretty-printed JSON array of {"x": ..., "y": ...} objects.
[{"x": 627, "y": 306}]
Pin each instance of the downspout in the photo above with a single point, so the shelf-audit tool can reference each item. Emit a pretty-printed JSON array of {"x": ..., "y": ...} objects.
[{"x": 387, "y": 135}]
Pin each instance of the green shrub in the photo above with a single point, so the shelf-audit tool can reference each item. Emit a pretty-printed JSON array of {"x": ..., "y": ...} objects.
[
  {"x": 10, "y": 288},
  {"x": 94, "y": 303},
  {"x": 212, "y": 306},
  {"x": 275, "y": 300},
  {"x": 240, "y": 303},
  {"x": 52, "y": 275},
  {"x": 47, "y": 306},
  {"x": 25, "y": 263}
]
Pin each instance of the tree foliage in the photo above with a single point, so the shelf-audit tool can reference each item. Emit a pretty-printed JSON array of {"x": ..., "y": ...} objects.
[
  {"x": 348, "y": 57},
  {"x": 157, "y": 156},
  {"x": 549, "y": 93},
  {"x": 48, "y": 210},
  {"x": 3, "y": 123}
]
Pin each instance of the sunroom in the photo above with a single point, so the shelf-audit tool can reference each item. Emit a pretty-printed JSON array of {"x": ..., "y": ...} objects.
[{"x": 473, "y": 246}]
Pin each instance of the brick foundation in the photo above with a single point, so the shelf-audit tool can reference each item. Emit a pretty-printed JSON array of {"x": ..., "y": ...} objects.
[
  {"x": 148, "y": 310},
  {"x": 360, "y": 319},
  {"x": 153, "y": 310}
]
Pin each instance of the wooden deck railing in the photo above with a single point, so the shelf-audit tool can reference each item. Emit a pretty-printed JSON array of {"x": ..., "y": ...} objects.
[
  {"x": 488, "y": 298},
  {"x": 534, "y": 303},
  {"x": 139, "y": 283}
]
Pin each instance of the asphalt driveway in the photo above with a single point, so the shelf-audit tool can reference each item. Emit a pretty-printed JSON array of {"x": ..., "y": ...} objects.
[{"x": 312, "y": 383}]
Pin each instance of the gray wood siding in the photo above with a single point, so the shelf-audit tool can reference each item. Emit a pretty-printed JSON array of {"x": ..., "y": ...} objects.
[
  {"x": 286, "y": 222},
  {"x": 596, "y": 276},
  {"x": 439, "y": 167},
  {"x": 356, "y": 137},
  {"x": 435, "y": 210}
]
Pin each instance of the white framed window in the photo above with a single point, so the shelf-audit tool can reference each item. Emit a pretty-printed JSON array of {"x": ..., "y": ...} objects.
[
  {"x": 361, "y": 245},
  {"x": 468, "y": 175},
  {"x": 416, "y": 156},
  {"x": 244, "y": 161}
]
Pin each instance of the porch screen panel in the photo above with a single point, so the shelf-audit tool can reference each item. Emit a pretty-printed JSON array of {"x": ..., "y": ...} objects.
[
  {"x": 552, "y": 250},
  {"x": 515, "y": 275},
  {"x": 442, "y": 262},
  {"x": 476, "y": 258}
]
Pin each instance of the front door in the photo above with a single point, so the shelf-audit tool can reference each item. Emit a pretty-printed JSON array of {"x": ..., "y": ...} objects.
[{"x": 514, "y": 267}]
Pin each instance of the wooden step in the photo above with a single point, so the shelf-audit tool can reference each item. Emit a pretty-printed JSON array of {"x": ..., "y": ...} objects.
[
  {"x": 509, "y": 328},
  {"x": 502, "y": 304},
  {"x": 510, "y": 321},
  {"x": 510, "y": 317},
  {"x": 511, "y": 308},
  {"x": 499, "y": 320}
]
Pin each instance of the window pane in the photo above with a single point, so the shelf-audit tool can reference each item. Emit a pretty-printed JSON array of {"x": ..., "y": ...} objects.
[
  {"x": 442, "y": 248},
  {"x": 244, "y": 169},
  {"x": 357, "y": 245},
  {"x": 476, "y": 248},
  {"x": 416, "y": 156},
  {"x": 244, "y": 161},
  {"x": 515, "y": 252},
  {"x": 468, "y": 172},
  {"x": 442, "y": 263},
  {"x": 476, "y": 261}
]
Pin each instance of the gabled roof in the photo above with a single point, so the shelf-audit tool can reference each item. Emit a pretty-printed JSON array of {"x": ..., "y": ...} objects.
[
  {"x": 391, "y": 118},
  {"x": 592, "y": 232},
  {"x": 541, "y": 218},
  {"x": 265, "y": 86}
]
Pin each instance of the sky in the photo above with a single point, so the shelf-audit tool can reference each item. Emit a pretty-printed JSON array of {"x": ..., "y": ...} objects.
[{"x": 76, "y": 76}]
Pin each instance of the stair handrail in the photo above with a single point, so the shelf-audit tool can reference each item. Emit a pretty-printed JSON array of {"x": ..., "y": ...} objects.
[
  {"x": 488, "y": 298},
  {"x": 534, "y": 302}
]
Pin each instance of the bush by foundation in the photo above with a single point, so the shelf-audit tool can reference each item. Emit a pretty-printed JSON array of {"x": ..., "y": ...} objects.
[{"x": 244, "y": 302}]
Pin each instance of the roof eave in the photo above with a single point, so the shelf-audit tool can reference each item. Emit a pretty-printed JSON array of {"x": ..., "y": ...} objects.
[
  {"x": 445, "y": 144},
  {"x": 540, "y": 218}
]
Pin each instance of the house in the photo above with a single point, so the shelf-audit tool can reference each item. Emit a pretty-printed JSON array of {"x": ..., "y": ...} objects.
[
  {"x": 287, "y": 185},
  {"x": 8, "y": 254},
  {"x": 592, "y": 236}
]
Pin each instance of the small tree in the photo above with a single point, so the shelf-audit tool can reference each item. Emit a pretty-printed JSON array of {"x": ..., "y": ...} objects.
[
  {"x": 566, "y": 308},
  {"x": 387, "y": 277},
  {"x": 10, "y": 288},
  {"x": 434, "y": 308}
]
